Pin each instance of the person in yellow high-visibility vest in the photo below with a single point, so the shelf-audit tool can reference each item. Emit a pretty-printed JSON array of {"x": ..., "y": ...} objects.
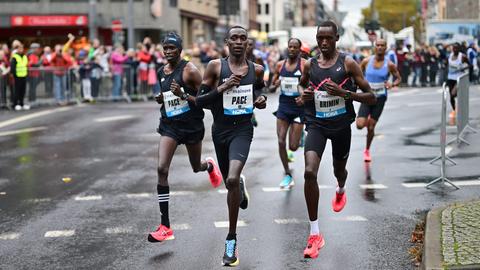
[{"x": 19, "y": 68}]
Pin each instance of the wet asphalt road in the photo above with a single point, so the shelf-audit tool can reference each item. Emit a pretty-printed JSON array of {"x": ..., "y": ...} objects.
[{"x": 77, "y": 192}]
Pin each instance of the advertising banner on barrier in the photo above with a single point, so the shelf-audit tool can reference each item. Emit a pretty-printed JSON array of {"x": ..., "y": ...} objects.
[{"x": 49, "y": 20}]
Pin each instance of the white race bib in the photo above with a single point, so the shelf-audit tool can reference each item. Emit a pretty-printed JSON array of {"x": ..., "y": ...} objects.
[
  {"x": 327, "y": 106},
  {"x": 379, "y": 89},
  {"x": 174, "y": 105},
  {"x": 238, "y": 100},
  {"x": 289, "y": 86}
]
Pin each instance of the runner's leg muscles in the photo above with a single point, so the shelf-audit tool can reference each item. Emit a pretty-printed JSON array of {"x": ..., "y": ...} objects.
[
  {"x": 233, "y": 197},
  {"x": 294, "y": 136},
  {"x": 282, "y": 128},
  {"x": 312, "y": 163},
  {"x": 194, "y": 155},
  {"x": 370, "y": 131},
  {"x": 166, "y": 149},
  {"x": 340, "y": 171}
]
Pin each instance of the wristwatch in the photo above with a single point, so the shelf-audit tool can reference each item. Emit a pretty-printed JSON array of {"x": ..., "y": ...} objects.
[
  {"x": 184, "y": 96},
  {"x": 348, "y": 95}
]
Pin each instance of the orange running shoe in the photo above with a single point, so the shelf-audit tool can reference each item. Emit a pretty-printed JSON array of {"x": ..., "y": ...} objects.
[
  {"x": 453, "y": 114},
  {"x": 314, "y": 244},
  {"x": 215, "y": 175},
  {"x": 339, "y": 201},
  {"x": 366, "y": 156},
  {"x": 161, "y": 234}
]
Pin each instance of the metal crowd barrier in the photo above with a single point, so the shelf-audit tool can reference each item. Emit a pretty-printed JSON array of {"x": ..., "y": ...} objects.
[
  {"x": 463, "y": 104},
  {"x": 443, "y": 142}
]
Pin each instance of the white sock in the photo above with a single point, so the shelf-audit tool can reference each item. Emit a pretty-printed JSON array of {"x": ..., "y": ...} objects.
[
  {"x": 340, "y": 190},
  {"x": 314, "y": 227}
]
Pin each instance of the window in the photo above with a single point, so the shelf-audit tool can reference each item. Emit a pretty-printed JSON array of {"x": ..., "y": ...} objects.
[
  {"x": 267, "y": 27},
  {"x": 259, "y": 9},
  {"x": 173, "y": 3},
  {"x": 267, "y": 9}
]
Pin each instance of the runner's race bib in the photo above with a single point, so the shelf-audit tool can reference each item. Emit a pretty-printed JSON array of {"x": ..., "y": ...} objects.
[
  {"x": 238, "y": 100},
  {"x": 174, "y": 105},
  {"x": 327, "y": 106},
  {"x": 289, "y": 86},
  {"x": 379, "y": 89}
]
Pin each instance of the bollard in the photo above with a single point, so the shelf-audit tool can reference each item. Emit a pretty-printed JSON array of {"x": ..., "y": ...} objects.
[{"x": 443, "y": 142}]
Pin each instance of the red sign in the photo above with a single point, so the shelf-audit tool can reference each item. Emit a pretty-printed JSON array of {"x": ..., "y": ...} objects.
[
  {"x": 117, "y": 26},
  {"x": 60, "y": 20}
]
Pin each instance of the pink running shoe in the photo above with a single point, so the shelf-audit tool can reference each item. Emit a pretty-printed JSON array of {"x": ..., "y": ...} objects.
[
  {"x": 314, "y": 244},
  {"x": 366, "y": 156},
  {"x": 338, "y": 203},
  {"x": 215, "y": 175},
  {"x": 161, "y": 234}
]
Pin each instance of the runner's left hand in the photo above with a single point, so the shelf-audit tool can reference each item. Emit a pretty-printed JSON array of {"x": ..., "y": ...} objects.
[
  {"x": 260, "y": 103},
  {"x": 388, "y": 85},
  {"x": 176, "y": 89},
  {"x": 333, "y": 89}
]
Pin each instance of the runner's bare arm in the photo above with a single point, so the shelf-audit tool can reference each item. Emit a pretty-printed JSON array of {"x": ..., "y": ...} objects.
[
  {"x": 276, "y": 77},
  {"x": 208, "y": 92},
  {"x": 364, "y": 63},
  {"x": 261, "y": 100},
  {"x": 193, "y": 79},
  {"x": 307, "y": 93},
  {"x": 392, "y": 68},
  {"x": 367, "y": 96}
]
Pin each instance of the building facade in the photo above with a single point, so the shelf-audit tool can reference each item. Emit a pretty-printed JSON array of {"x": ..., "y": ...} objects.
[
  {"x": 198, "y": 20},
  {"x": 49, "y": 21},
  {"x": 458, "y": 9}
]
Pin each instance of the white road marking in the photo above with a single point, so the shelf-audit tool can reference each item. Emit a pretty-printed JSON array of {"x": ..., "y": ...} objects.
[
  {"x": 222, "y": 191},
  {"x": 139, "y": 195},
  {"x": 88, "y": 198},
  {"x": 9, "y": 236},
  {"x": 350, "y": 218},
  {"x": 284, "y": 221},
  {"x": 39, "y": 200},
  {"x": 274, "y": 189},
  {"x": 373, "y": 186},
  {"x": 19, "y": 131},
  {"x": 380, "y": 136},
  {"x": 448, "y": 149},
  {"x": 414, "y": 185},
  {"x": 119, "y": 230},
  {"x": 65, "y": 233},
  {"x": 181, "y": 227},
  {"x": 3, "y": 193},
  {"x": 458, "y": 183},
  {"x": 19, "y": 119},
  {"x": 224, "y": 224},
  {"x": 114, "y": 118},
  {"x": 407, "y": 128},
  {"x": 181, "y": 193}
]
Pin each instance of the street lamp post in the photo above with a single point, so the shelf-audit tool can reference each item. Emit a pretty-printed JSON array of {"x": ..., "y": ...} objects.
[
  {"x": 130, "y": 24},
  {"x": 92, "y": 14}
]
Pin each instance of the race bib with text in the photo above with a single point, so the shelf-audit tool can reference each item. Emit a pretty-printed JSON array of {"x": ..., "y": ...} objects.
[
  {"x": 379, "y": 89},
  {"x": 327, "y": 106},
  {"x": 289, "y": 86},
  {"x": 238, "y": 100},
  {"x": 174, "y": 105}
]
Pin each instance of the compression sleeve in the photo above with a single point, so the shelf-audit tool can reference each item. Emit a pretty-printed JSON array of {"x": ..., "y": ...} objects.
[{"x": 206, "y": 96}]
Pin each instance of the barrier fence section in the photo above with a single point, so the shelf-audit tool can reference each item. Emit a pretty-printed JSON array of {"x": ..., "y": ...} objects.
[
  {"x": 463, "y": 104},
  {"x": 443, "y": 142}
]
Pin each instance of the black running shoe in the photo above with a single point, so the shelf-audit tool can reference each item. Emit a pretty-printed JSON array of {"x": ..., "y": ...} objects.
[
  {"x": 244, "y": 197},
  {"x": 230, "y": 256}
]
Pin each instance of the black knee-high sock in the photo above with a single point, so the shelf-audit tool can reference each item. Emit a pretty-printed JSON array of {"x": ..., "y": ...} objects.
[{"x": 163, "y": 198}]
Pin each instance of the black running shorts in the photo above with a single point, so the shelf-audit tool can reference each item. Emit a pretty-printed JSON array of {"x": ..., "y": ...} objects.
[
  {"x": 373, "y": 110},
  {"x": 181, "y": 134},
  {"x": 317, "y": 139},
  {"x": 232, "y": 142}
]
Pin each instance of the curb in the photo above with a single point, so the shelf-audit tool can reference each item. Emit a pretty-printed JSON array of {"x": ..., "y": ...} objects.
[{"x": 432, "y": 246}]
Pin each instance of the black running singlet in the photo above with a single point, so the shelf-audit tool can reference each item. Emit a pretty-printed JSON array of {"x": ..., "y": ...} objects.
[
  {"x": 174, "y": 108},
  {"x": 326, "y": 111}
]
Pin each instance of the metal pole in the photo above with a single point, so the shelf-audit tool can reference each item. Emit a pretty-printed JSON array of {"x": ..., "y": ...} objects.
[
  {"x": 130, "y": 24},
  {"x": 92, "y": 14}
]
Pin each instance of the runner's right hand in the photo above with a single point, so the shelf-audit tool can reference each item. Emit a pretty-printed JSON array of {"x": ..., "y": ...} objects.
[
  {"x": 307, "y": 94},
  {"x": 232, "y": 81},
  {"x": 159, "y": 98}
]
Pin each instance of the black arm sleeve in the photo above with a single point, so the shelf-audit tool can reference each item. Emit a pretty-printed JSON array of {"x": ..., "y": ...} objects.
[
  {"x": 258, "y": 88},
  {"x": 206, "y": 96}
]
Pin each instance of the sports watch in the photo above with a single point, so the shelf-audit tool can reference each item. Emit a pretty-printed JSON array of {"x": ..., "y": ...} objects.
[{"x": 347, "y": 95}]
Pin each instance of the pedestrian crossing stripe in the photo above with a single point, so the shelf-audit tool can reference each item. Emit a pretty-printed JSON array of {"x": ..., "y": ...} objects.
[
  {"x": 65, "y": 233},
  {"x": 119, "y": 230},
  {"x": 225, "y": 224},
  {"x": 88, "y": 198},
  {"x": 373, "y": 186},
  {"x": 9, "y": 236}
]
